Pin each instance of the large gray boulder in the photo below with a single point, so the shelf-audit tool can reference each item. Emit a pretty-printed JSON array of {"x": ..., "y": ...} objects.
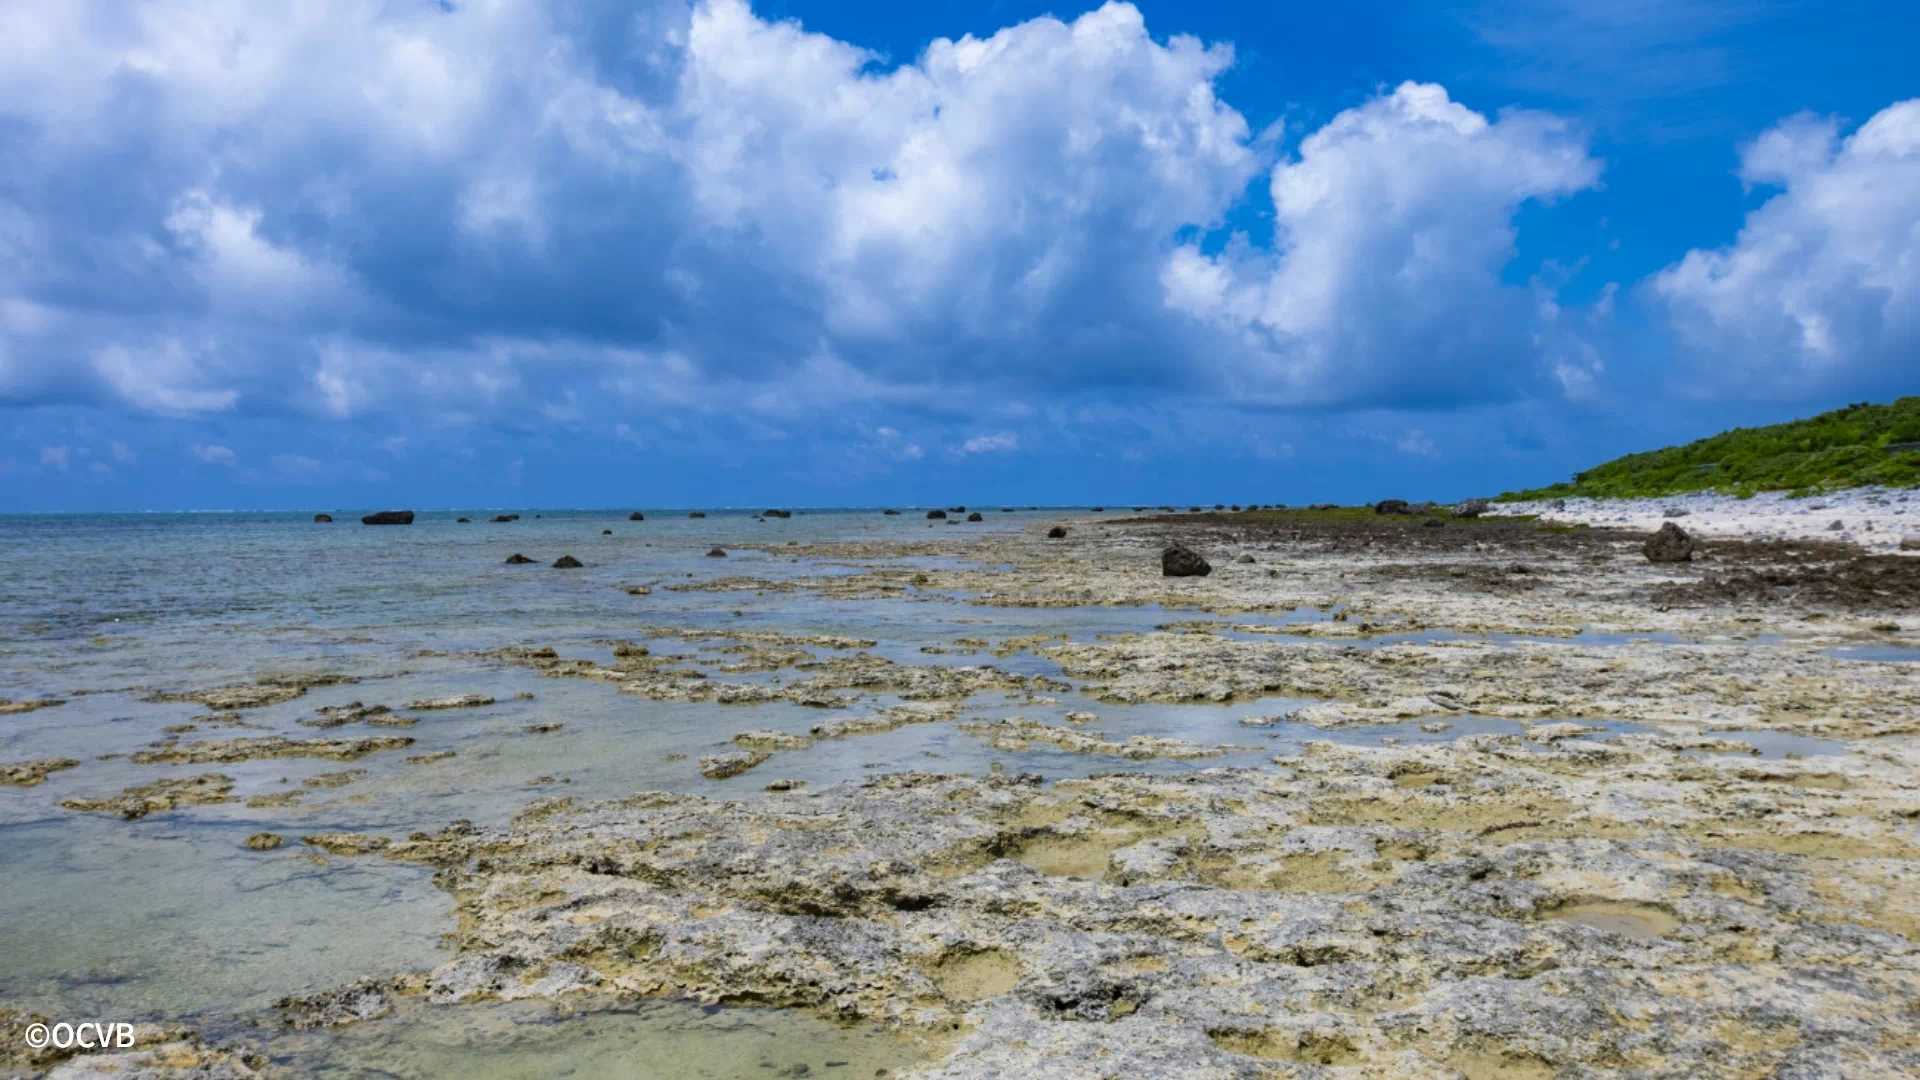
[
  {"x": 1472, "y": 508},
  {"x": 389, "y": 517},
  {"x": 1671, "y": 544},
  {"x": 1392, "y": 506}
]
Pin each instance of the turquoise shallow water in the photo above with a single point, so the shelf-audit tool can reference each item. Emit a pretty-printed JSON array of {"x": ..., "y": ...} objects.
[{"x": 171, "y": 916}]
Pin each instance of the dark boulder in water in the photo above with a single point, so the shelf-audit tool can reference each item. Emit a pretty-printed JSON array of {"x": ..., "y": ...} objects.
[
  {"x": 697, "y": 514},
  {"x": 636, "y": 516},
  {"x": 606, "y": 532},
  {"x": 566, "y": 562},
  {"x": 975, "y": 516},
  {"x": 936, "y": 515},
  {"x": 1671, "y": 544},
  {"x": 323, "y": 519},
  {"x": 1056, "y": 533},
  {"x": 1393, "y": 506},
  {"x": 1099, "y": 509},
  {"x": 776, "y": 513},
  {"x": 517, "y": 559},
  {"x": 717, "y": 553},
  {"x": 389, "y": 517},
  {"x": 891, "y": 513},
  {"x": 1177, "y": 561},
  {"x": 463, "y": 521},
  {"x": 506, "y": 517}
]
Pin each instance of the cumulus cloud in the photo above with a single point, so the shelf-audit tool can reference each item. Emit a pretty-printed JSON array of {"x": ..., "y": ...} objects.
[
  {"x": 214, "y": 454},
  {"x": 533, "y": 213},
  {"x": 1392, "y": 226},
  {"x": 1821, "y": 290},
  {"x": 55, "y": 457}
]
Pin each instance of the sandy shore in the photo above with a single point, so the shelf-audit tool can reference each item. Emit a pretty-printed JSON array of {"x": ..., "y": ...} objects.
[{"x": 1875, "y": 519}]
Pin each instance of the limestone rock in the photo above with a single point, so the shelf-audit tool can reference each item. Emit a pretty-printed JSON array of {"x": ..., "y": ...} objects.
[
  {"x": 1671, "y": 544},
  {"x": 1178, "y": 561}
]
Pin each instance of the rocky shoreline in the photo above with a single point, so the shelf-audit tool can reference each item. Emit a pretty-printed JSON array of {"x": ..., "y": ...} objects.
[{"x": 1638, "y": 879}]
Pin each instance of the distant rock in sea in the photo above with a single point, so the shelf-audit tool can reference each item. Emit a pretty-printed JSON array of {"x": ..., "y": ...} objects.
[
  {"x": 389, "y": 517},
  {"x": 463, "y": 521},
  {"x": 697, "y": 514},
  {"x": 717, "y": 553},
  {"x": 1057, "y": 533},
  {"x": 566, "y": 562},
  {"x": 323, "y": 519},
  {"x": 891, "y": 513},
  {"x": 975, "y": 516},
  {"x": 636, "y": 516},
  {"x": 517, "y": 559},
  {"x": 776, "y": 513},
  {"x": 936, "y": 515}
]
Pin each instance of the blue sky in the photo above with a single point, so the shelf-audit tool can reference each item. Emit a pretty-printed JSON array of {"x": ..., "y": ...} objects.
[{"x": 583, "y": 252}]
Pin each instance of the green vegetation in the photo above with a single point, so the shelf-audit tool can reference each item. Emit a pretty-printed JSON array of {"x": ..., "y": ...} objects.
[{"x": 1858, "y": 446}]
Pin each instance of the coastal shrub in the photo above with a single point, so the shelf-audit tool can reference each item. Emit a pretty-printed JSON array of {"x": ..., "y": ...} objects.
[{"x": 1858, "y": 446}]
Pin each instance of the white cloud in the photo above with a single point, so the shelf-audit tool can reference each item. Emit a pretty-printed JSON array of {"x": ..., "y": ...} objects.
[
  {"x": 1821, "y": 290},
  {"x": 121, "y": 453},
  {"x": 1415, "y": 441},
  {"x": 55, "y": 457},
  {"x": 162, "y": 378},
  {"x": 543, "y": 212},
  {"x": 1393, "y": 225},
  {"x": 912, "y": 452},
  {"x": 213, "y": 455},
  {"x": 1001, "y": 443}
]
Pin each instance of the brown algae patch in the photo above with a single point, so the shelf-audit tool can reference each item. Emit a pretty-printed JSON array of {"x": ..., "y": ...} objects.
[
  {"x": 1643, "y": 921},
  {"x": 1280, "y": 1044},
  {"x": 974, "y": 975}
]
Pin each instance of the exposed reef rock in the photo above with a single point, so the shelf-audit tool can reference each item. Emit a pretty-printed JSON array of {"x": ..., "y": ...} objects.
[
  {"x": 1670, "y": 545},
  {"x": 138, "y": 802},
  {"x": 1179, "y": 561}
]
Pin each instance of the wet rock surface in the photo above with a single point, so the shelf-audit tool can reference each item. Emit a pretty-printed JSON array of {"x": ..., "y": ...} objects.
[
  {"x": 268, "y": 746},
  {"x": 29, "y": 773},
  {"x": 161, "y": 795},
  {"x": 1429, "y": 911}
]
